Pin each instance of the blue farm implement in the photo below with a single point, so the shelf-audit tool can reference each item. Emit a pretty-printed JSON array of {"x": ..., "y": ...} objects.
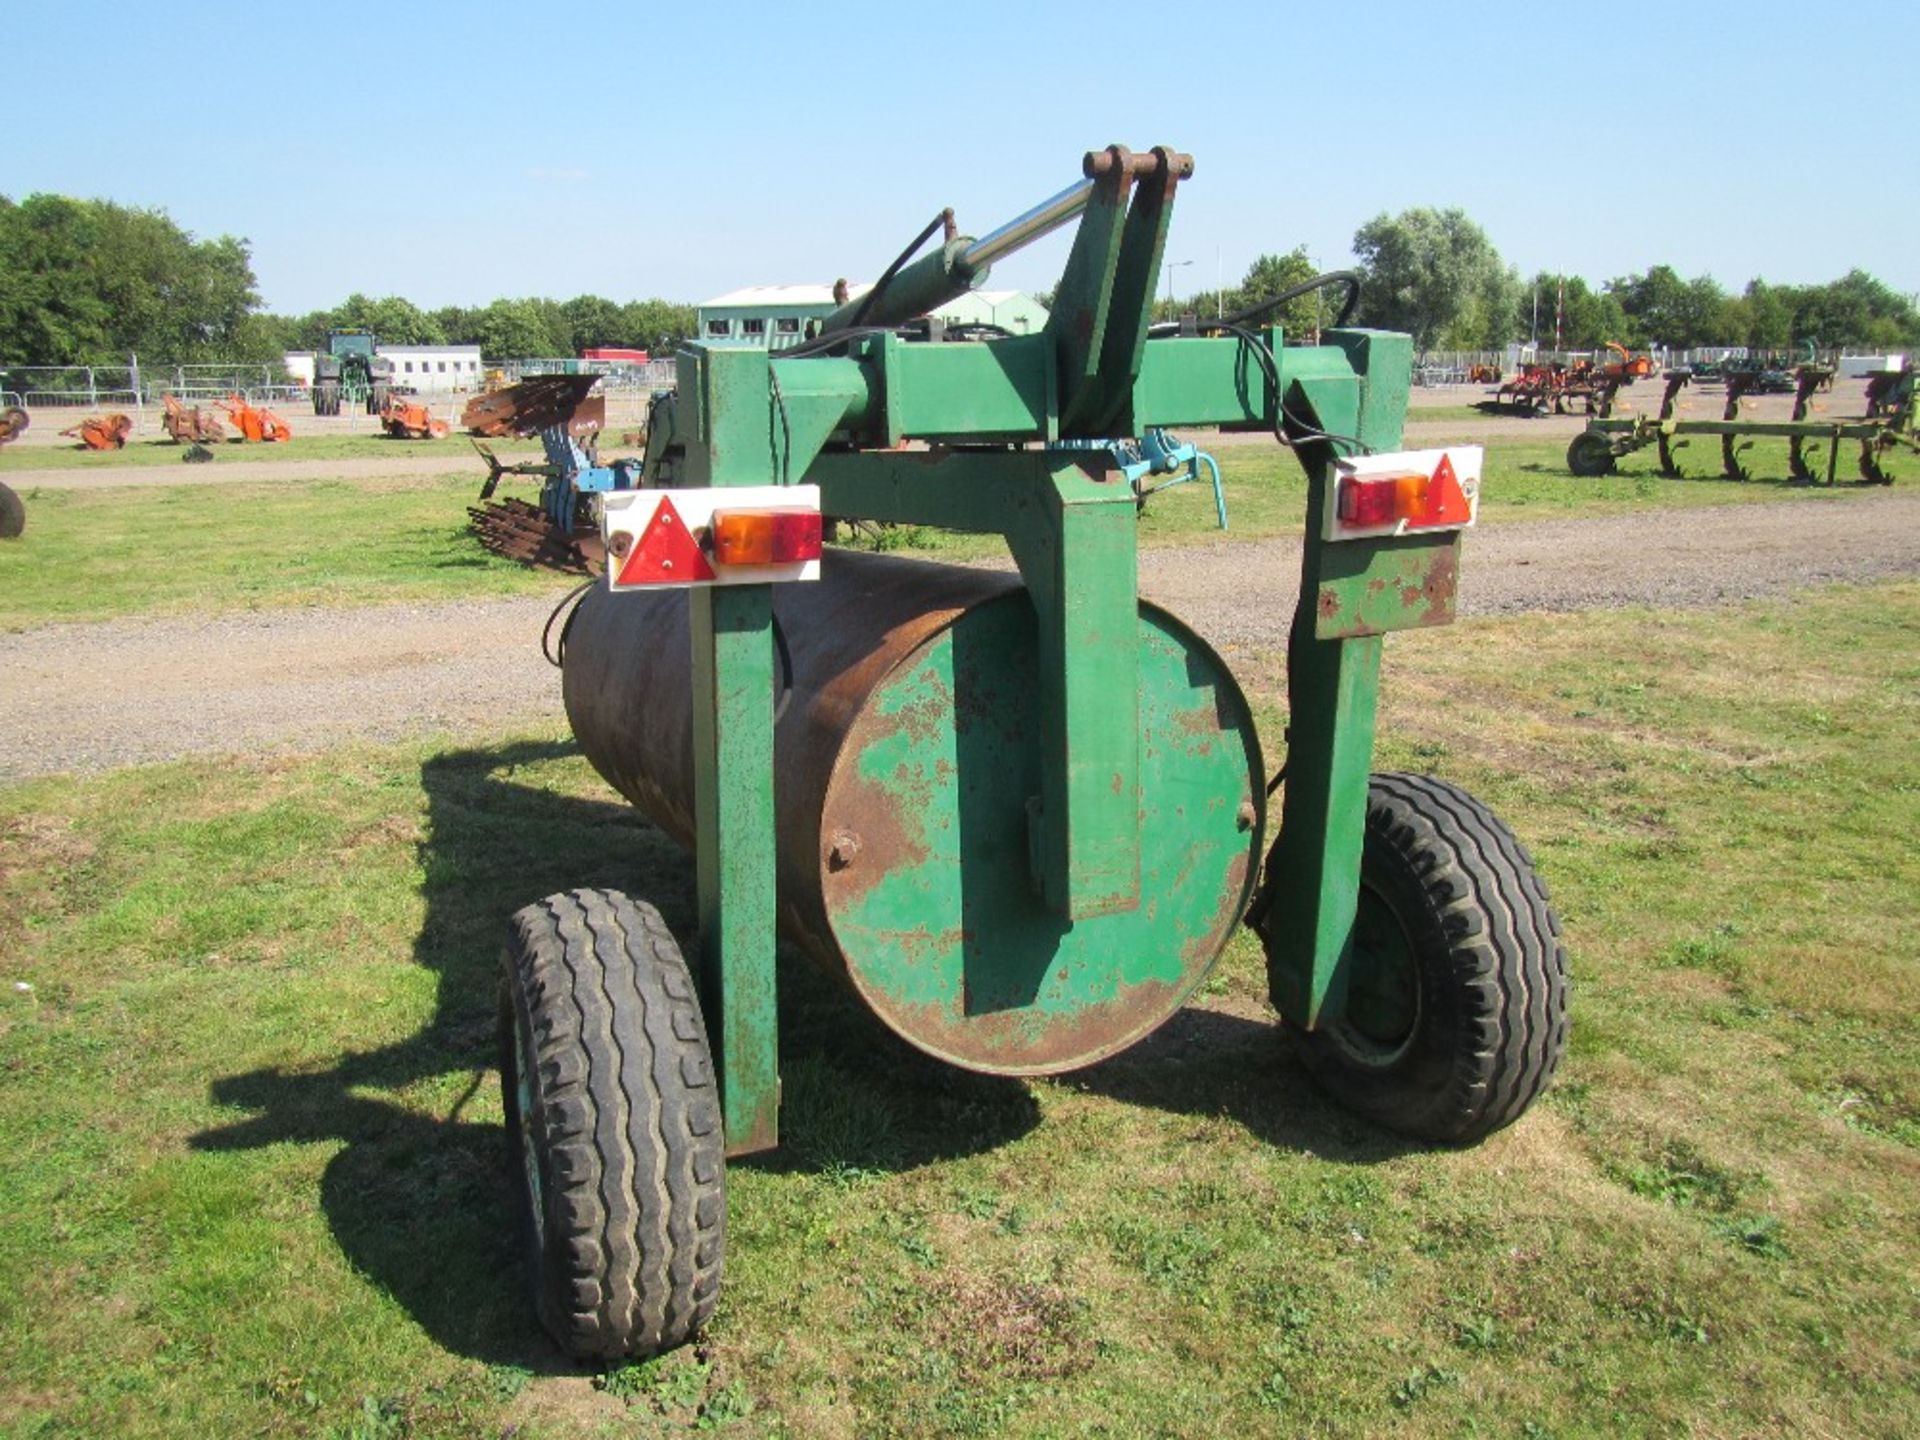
[{"x": 560, "y": 531}]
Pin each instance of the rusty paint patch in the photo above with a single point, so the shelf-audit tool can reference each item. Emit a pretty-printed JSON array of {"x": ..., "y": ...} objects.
[
  {"x": 888, "y": 841},
  {"x": 1386, "y": 586},
  {"x": 1029, "y": 1041}
]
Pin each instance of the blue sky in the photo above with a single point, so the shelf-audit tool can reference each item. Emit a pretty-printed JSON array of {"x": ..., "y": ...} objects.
[{"x": 454, "y": 153}]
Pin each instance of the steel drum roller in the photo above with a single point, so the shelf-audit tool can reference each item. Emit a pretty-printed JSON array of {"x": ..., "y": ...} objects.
[{"x": 905, "y": 760}]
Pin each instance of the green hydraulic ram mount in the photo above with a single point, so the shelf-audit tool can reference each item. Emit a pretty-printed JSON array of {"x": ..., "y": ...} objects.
[{"x": 961, "y": 434}]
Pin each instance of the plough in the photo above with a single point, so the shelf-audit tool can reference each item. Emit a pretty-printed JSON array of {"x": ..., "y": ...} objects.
[
  {"x": 559, "y": 532},
  {"x": 1553, "y": 386},
  {"x": 1813, "y": 445},
  {"x": 1020, "y": 815},
  {"x": 537, "y": 404}
]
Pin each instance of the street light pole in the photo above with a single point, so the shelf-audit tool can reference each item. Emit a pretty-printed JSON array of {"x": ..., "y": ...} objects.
[{"x": 1171, "y": 266}]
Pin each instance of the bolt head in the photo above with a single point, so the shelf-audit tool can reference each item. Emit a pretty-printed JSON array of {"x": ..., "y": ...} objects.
[{"x": 844, "y": 850}]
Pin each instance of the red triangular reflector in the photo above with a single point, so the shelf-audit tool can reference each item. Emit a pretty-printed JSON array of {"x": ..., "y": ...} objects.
[
  {"x": 665, "y": 552},
  {"x": 1446, "y": 501}
]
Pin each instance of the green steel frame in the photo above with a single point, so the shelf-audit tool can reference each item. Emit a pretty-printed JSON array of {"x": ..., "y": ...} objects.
[{"x": 986, "y": 413}]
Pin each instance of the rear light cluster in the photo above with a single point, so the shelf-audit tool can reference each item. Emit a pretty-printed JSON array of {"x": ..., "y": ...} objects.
[
  {"x": 774, "y": 536},
  {"x": 1412, "y": 491},
  {"x": 712, "y": 535},
  {"x": 1383, "y": 499}
]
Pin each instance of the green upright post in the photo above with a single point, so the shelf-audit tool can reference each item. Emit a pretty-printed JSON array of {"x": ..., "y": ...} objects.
[
  {"x": 733, "y": 806},
  {"x": 1084, "y": 586},
  {"x": 1333, "y": 689},
  {"x": 733, "y": 775}
]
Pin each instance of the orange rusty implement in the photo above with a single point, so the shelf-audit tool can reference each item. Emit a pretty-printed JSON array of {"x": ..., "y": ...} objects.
[
  {"x": 407, "y": 419},
  {"x": 102, "y": 432},
  {"x": 255, "y": 422},
  {"x": 189, "y": 426}
]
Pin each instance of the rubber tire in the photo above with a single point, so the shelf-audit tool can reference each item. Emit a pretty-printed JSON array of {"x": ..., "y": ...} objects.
[
  {"x": 376, "y": 399},
  {"x": 1590, "y": 456},
  {"x": 13, "y": 514},
  {"x": 623, "y": 1127},
  {"x": 1491, "y": 1021}
]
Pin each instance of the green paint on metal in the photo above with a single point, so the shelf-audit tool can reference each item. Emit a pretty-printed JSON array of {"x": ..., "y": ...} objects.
[
  {"x": 735, "y": 444},
  {"x": 1082, "y": 301},
  {"x": 944, "y": 935},
  {"x": 1191, "y": 381},
  {"x": 1333, "y": 690},
  {"x": 1080, "y": 566},
  {"x": 1050, "y": 859},
  {"x": 985, "y": 392},
  {"x": 1143, "y": 243},
  {"x": 811, "y": 401},
  {"x": 1384, "y": 360},
  {"x": 1368, "y": 587},
  {"x": 734, "y": 853},
  {"x": 1073, "y": 537}
]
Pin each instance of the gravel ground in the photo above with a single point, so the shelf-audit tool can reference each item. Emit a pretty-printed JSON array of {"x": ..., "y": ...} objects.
[{"x": 84, "y": 697}]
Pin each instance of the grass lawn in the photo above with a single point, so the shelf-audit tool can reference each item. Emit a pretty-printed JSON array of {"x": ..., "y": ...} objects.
[
  {"x": 253, "y": 1182},
  {"x": 149, "y": 451},
  {"x": 222, "y": 548},
  {"x": 214, "y": 549}
]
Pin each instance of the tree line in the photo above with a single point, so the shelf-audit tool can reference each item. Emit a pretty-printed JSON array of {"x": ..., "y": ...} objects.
[
  {"x": 1436, "y": 275},
  {"x": 516, "y": 328},
  {"x": 90, "y": 281}
]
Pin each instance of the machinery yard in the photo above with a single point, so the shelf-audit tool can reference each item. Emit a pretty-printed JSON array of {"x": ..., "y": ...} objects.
[
  {"x": 1018, "y": 840},
  {"x": 1619, "y": 1243}
]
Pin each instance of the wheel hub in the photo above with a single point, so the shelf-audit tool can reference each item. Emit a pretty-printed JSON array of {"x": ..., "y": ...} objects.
[{"x": 1383, "y": 986}]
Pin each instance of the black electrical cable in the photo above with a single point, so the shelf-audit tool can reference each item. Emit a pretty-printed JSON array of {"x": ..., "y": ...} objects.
[
  {"x": 831, "y": 339},
  {"x": 786, "y": 670},
  {"x": 786, "y": 427},
  {"x": 1301, "y": 429},
  {"x": 557, "y": 655},
  {"x": 1348, "y": 278},
  {"x": 975, "y": 329},
  {"x": 945, "y": 217}
]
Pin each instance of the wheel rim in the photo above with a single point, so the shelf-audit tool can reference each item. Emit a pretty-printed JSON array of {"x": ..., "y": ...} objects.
[
  {"x": 523, "y": 1101},
  {"x": 1383, "y": 987}
]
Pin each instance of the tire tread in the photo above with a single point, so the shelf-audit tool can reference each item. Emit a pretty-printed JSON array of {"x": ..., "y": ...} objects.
[
  {"x": 629, "y": 1120},
  {"x": 1505, "y": 962}
]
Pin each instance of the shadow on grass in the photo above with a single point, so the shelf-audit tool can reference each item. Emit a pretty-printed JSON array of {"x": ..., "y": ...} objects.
[
  {"x": 1208, "y": 1064},
  {"x": 419, "y": 1197}
]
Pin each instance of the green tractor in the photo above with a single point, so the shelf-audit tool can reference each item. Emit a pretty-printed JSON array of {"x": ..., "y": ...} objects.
[{"x": 350, "y": 372}]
